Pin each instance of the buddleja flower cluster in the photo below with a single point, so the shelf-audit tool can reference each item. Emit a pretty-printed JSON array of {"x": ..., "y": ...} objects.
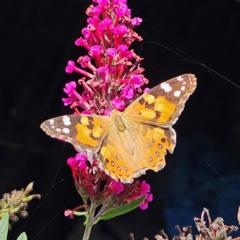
[
  {"x": 111, "y": 78},
  {"x": 112, "y": 75}
]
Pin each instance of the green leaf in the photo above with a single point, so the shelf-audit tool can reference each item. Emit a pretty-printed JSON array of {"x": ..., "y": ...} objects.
[
  {"x": 117, "y": 211},
  {"x": 4, "y": 227},
  {"x": 23, "y": 236}
]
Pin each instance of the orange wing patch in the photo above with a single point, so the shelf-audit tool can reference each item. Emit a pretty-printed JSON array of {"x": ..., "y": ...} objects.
[
  {"x": 114, "y": 165},
  {"x": 158, "y": 140},
  {"x": 163, "y": 104}
]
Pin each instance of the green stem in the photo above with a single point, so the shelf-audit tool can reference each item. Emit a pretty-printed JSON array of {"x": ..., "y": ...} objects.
[
  {"x": 89, "y": 222},
  {"x": 87, "y": 232}
]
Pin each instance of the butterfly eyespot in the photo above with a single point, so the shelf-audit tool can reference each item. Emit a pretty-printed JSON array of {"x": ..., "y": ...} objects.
[
  {"x": 112, "y": 163},
  {"x": 118, "y": 168},
  {"x": 150, "y": 159},
  {"x": 159, "y": 145},
  {"x": 163, "y": 140},
  {"x": 157, "y": 154},
  {"x": 125, "y": 169}
]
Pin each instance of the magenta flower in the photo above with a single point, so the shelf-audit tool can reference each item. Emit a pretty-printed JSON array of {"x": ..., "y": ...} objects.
[
  {"x": 118, "y": 103},
  {"x": 70, "y": 88},
  {"x": 144, "y": 204},
  {"x": 127, "y": 92},
  {"x": 89, "y": 179},
  {"x": 111, "y": 78},
  {"x": 116, "y": 187}
]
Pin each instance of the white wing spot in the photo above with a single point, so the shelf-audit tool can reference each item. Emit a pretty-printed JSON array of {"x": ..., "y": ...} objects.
[
  {"x": 66, "y": 130},
  {"x": 53, "y": 126},
  {"x": 177, "y": 93},
  {"x": 183, "y": 88},
  {"x": 184, "y": 83},
  {"x": 51, "y": 121},
  {"x": 58, "y": 130},
  {"x": 118, "y": 168},
  {"x": 180, "y": 78},
  {"x": 66, "y": 120},
  {"x": 166, "y": 87}
]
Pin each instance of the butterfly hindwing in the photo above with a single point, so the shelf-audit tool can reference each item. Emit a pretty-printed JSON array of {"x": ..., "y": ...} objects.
[
  {"x": 84, "y": 132},
  {"x": 163, "y": 104},
  {"x": 146, "y": 149}
]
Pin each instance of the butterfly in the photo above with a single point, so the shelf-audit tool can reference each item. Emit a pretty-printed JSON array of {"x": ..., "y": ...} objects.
[{"x": 128, "y": 143}]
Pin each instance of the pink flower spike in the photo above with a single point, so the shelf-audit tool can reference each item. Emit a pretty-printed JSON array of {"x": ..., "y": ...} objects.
[
  {"x": 81, "y": 157},
  {"x": 102, "y": 3},
  {"x": 72, "y": 68},
  {"x": 107, "y": 112},
  {"x": 96, "y": 10},
  {"x": 107, "y": 22},
  {"x": 69, "y": 101},
  {"x": 146, "y": 90},
  {"x": 72, "y": 162},
  {"x": 118, "y": 103},
  {"x": 123, "y": 49},
  {"x": 116, "y": 187},
  {"x": 127, "y": 92},
  {"x": 111, "y": 52},
  {"x": 149, "y": 197},
  {"x": 96, "y": 50},
  {"x": 83, "y": 61},
  {"x": 82, "y": 42},
  {"x": 86, "y": 33},
  {"x": 144, "y": 204},
  {"x": 82, "y": 161},
  {"x": 119, "y": 12},
  {"x": 70, "y": 88},
  {"x": 136, "y": 80},
  {"x": 145, "y": 187},
  {"x": 136, "y": 21}
]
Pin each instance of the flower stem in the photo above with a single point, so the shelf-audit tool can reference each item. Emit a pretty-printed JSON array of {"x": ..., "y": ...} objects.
[
  {"x": 89, "y": 222},
  {"x": 87, "y": 232}
]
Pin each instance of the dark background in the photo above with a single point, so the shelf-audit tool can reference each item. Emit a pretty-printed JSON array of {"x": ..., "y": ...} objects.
[{"x": 180, "y": 36}]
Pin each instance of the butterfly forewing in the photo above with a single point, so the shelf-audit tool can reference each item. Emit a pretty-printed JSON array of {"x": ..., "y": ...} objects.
[
  {"x": 163, "y": 104},
  {"x": 84, "y": 132}
]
